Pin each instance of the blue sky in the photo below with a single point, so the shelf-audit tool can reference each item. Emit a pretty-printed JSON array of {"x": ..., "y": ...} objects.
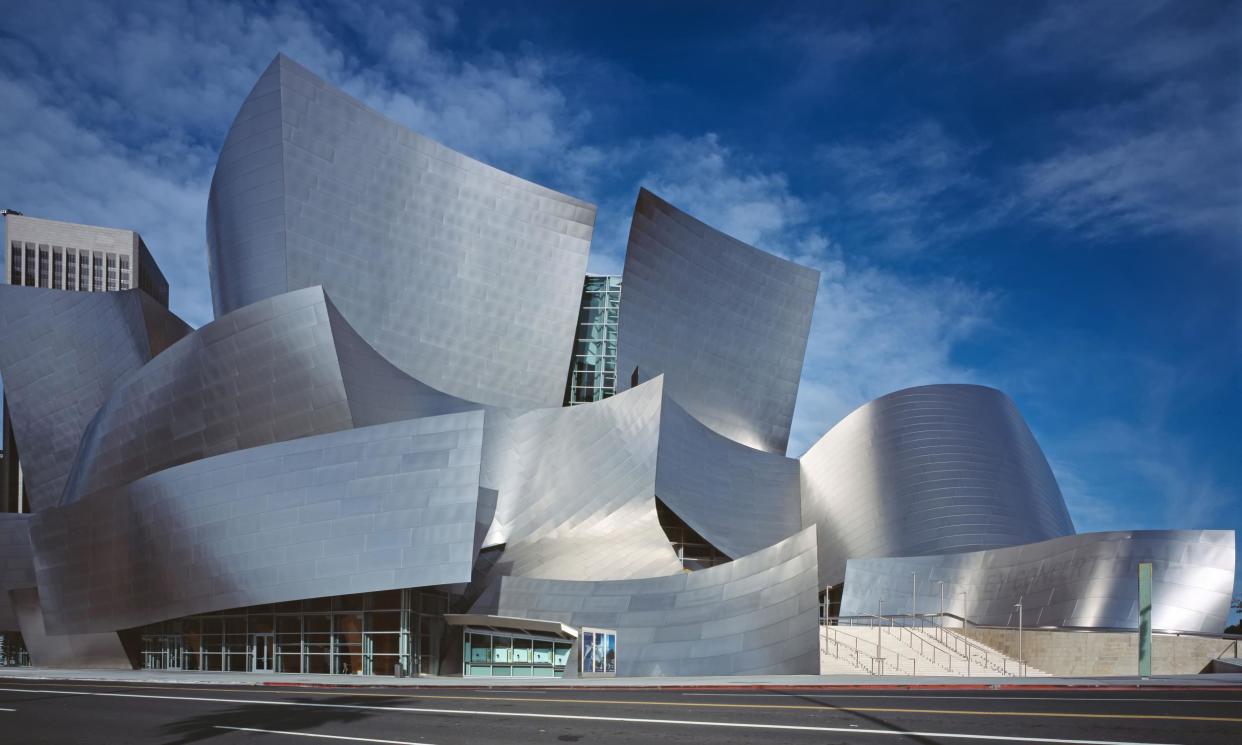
[{"x": 1041, "y": 197}]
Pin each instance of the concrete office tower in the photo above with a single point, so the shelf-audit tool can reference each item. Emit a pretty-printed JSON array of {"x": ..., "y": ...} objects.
[{"x": 364, "y": 465}]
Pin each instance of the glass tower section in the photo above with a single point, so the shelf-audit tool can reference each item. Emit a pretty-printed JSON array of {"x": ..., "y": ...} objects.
[{"x": 593, "y": 369}]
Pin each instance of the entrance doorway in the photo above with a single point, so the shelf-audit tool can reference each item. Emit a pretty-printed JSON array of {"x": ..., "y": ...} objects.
[{"x": 264, "y": 653}]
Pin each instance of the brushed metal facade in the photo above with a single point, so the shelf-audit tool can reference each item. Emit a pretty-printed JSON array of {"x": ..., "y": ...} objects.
[
  {"x": 1088, "y": 580},
  {"x": 740, "y": 499},
  {"x": 94, "y": 650},
  {"x": 374, "y": 508},
  {"x": 758, "y": 614},
  {"x": 62, "y": 354},
  {"x": 725, "y": 322},
  {"x": 928, "y": 470},
  {"x": 16, "y": 563},
  {"x": 576, "y": 491},
  {"x": 464, "y": 276}
]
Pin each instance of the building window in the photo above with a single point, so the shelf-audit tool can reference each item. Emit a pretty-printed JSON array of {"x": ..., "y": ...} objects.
[
  {"x": 97, "y": 272},
  {"x": 111, "y": 272},
  {"x": 593, "y": 366},
  {"x": 45, "y": 263},
  {"x": 58, "y": 268},
  {"x": 84, "y": 272},
  {"x": 71, "y": 269},
  {"x": 15, "y": 263},
  {"x": 31, "y": 258}
]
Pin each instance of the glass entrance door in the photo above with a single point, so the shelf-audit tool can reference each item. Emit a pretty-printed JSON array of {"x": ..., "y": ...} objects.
[
  {"x": 264, "y": 653},
  {"x": 173, "y": 645}
]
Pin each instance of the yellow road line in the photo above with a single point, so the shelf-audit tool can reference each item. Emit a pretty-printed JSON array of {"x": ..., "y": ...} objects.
[{"x": 676, "y": 704}]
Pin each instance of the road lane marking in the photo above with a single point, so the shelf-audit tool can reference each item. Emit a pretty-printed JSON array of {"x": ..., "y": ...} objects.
[
  {"x": 325, "y": 737},
  {"x": 8, "y": 709},
  {"x": 583, "y": 717},
  {"x": 1000, "y": 697},
  {"x": 680, "y": 704}
]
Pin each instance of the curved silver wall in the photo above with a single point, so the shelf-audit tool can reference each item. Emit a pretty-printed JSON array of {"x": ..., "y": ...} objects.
[
  {"x": 756, "y": 615},
  {"x": 465, "y": 277},
  {"x": 576, "y": 491},
  {"x": 375, "y": 508},
  {"x": 928, "y": 470},
  {"x": 725, "y": 322},
  {"x": 1088, "y": 580},
  {"x": 739, "y": 499},
  {"x": 61, "y": 356},
  {"x": 16, "y": 563}
]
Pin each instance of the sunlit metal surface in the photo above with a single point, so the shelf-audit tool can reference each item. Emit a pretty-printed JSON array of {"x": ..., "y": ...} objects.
[
  {"x": 739, "y": 499},
  {"x": 364, "y": 509},
  {"x": 725, "y": 322},
  {"x": 464, "y": 276},
  {"x": 1088, "y": 580},
  {"x": 756, "y": 615},
  {"x": 928, "y": 470},
  {"x": 61, "y": 355}
]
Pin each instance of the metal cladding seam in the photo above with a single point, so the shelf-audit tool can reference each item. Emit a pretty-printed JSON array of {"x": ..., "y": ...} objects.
[
  {"x": 313, "y": 188},
  {"x": 928, "y": 470},
  {"x": 758, "y": 614},
  {"x": 62, "y": 354},
  {"x": 1088, "y": 580},
  {"x": 725, "y": 322},
  {"x": 375, "y": 508}
]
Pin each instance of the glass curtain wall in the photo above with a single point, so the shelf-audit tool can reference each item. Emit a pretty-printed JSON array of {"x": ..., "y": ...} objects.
[
  {"x": 396, "y": 632},
  {"x": 593, "y": 369}
]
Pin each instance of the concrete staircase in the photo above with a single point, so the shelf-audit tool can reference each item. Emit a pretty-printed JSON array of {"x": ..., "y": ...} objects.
[{"x": 881, "y": 649}]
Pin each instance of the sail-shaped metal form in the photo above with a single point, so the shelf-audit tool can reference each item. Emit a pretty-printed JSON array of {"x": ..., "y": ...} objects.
[
  {"x": 464, "y": 276},
  {"x": 724, "y": 322}
]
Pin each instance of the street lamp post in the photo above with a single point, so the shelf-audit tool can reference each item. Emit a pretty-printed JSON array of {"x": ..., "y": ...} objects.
[
  {"x": 941, "y": 583},
  {"x": 914, "y": 598},
  {"x": 879, "y": 635},
  {"x": 1021, "y": 663}
]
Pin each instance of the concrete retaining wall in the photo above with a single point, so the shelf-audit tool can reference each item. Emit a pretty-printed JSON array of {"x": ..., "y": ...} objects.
[{"x": 1080, "y": 653}]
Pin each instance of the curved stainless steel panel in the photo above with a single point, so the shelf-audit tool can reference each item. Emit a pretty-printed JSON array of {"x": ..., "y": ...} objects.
[
  {"x": 756, "y": 615},
  {"x": 725, "y": 322},
  {"x": 1088, "y": 580},
  {"x": 738, "y": 498},
  {"x": 61, "y": 356},
  {"x": 576, "y": 490},
  {"x": 92, "y": 650},
  {"x": 928, "y": 470},
  {"x": 376, "y": 508},
  {"x": 464, "y": 276},
  {"x": 263, "y": 374},
  {"x": 16, "y": 563}
]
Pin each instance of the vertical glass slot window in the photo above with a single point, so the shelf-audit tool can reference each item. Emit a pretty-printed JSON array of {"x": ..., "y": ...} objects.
[
  {"x": 45, "y": 262},
  {"x": 15, "y": 263},
  {"x": 111, "y": 264},
  {"x": 97, "y": 272},
  {"x": 31, "y": 270},
  {"x": 71, "y": 269},
  {"x": 84, "y": 271},
  {"x": 58, "y": 268}
]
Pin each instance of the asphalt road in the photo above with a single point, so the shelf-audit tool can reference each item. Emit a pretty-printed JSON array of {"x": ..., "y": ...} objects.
[{"x": 34, "y": 712}]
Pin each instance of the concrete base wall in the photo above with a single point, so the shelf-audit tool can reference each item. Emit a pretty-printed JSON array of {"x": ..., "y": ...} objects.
[{"x": 1080, "y": 653}]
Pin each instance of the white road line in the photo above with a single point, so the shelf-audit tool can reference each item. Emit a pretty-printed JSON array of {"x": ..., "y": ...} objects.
[
  {"x": 584, "y": 718},
  {"x": 324, "y": 737},
  {"x": 8, "y": 709},
  {"x": 979, "y": 698}
]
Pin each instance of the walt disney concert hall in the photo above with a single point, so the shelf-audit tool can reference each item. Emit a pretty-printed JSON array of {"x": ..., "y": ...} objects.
[{"x": 418, "y": 439}]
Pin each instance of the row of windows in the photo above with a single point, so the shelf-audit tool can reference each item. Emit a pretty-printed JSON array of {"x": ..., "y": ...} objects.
[{"x": 58, "y": 268}]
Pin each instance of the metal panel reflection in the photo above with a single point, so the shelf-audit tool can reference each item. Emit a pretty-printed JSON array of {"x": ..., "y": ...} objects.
[
  {"x": 1088, "y": 580},
  {"x": 928, "y": 470},
  {"x": 725, "y": 322},
  {"x": 462, "y": 275},
  {"x": 756, "y": 615}
]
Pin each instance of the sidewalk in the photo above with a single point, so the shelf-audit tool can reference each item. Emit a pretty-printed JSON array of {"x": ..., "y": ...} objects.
[{"x": 776, "y": 682}]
